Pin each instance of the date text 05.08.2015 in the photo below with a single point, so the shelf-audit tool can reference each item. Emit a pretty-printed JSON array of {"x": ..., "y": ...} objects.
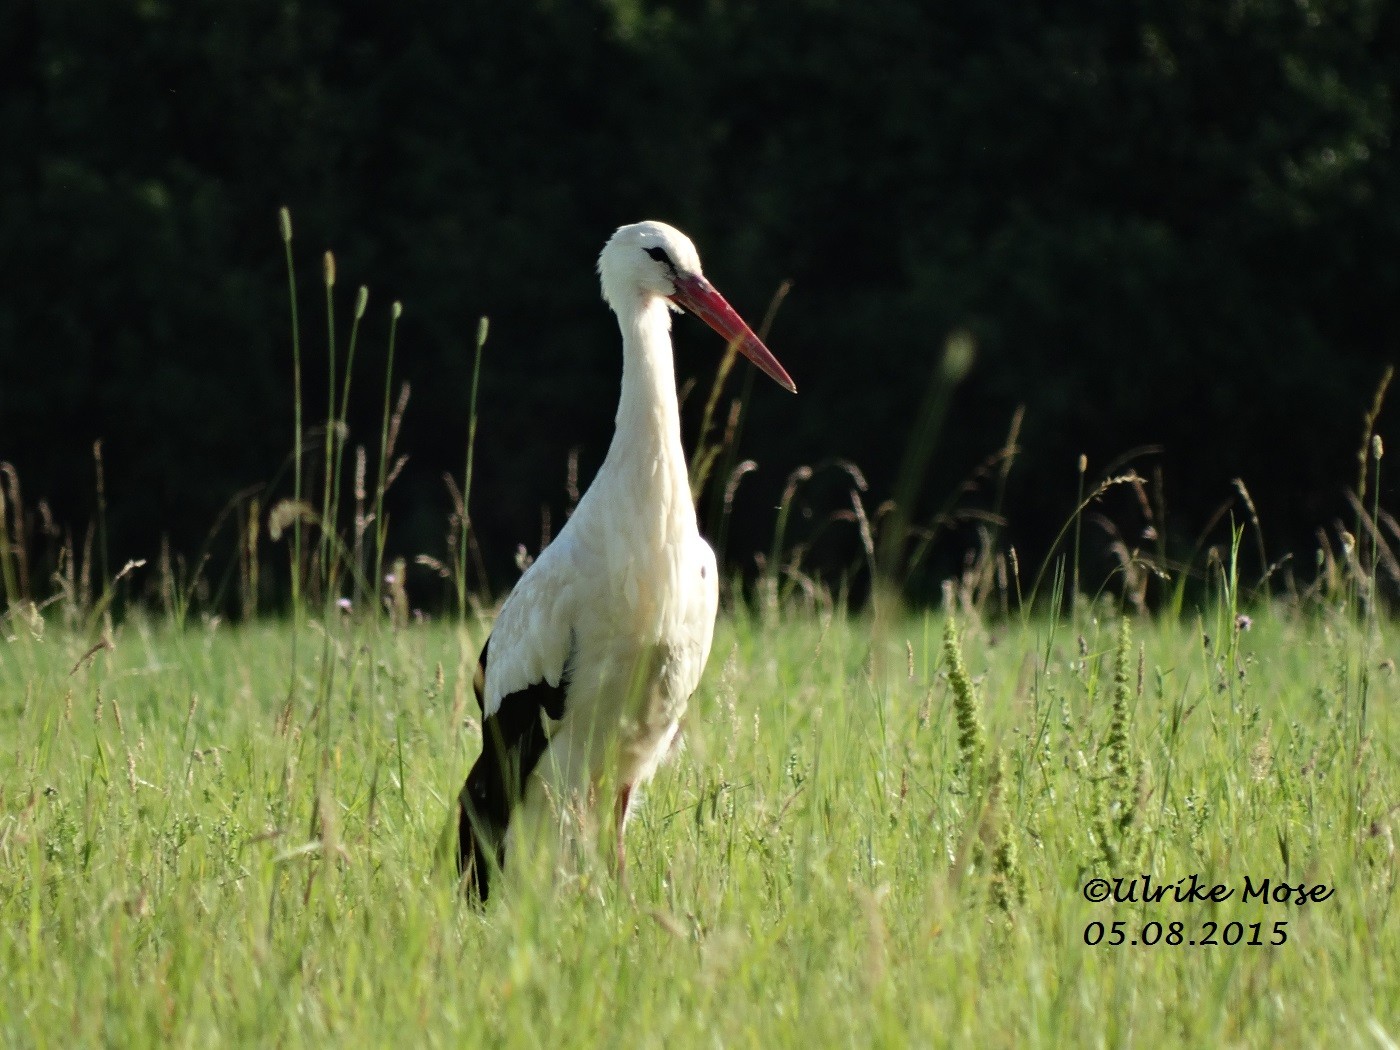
[{"x": 1207, "y": 934}]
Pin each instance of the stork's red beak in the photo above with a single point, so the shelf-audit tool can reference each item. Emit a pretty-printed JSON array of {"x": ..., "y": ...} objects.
[{"x": 701, "y": 298}]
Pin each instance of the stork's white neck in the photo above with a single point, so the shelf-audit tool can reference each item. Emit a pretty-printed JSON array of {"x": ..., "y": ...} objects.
[{"x": 646, "y": 456}]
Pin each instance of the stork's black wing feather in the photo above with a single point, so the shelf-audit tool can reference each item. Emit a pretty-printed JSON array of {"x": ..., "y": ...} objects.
[{"x": 512, "y": 741}]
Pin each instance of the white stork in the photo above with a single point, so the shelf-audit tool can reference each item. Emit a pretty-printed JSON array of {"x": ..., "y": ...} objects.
[{"x": 595, "y": 653}]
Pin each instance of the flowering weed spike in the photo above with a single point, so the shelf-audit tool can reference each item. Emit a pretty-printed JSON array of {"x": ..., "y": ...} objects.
[
  {"x": 1008, "y": 885},
  {"x": 1119, "y": 759},
  {"x": 972, "y": 742},
  {"x": 1121, "y": 785}
]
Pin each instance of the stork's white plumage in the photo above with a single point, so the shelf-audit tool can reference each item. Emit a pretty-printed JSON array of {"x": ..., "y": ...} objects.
[{"x": 596, "y": 652}]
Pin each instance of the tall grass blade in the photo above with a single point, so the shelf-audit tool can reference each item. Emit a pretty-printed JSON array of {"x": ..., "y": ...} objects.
[
  {"x": 958, "y": 355},
  {"x": 284, "y": 216},
  {"x": 381, "y": 526},
  {"x": 330, "y": 438},
  {"x": 460, "y": 570}
]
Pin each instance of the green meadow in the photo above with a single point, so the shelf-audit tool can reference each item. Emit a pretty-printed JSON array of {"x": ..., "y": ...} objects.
[
  {"x": 1037, "y": 816},
  {"x": 878, "y": 831}
]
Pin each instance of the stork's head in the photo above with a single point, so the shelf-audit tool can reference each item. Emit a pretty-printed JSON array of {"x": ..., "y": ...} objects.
[{"x": 651, "y": 260}]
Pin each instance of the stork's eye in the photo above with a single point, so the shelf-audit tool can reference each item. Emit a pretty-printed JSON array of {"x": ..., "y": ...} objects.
[{"x": 659, "y": 254}]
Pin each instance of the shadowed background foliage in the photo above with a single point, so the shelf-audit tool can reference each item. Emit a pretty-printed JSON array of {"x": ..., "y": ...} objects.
[{"x": 1164, "y": 223}]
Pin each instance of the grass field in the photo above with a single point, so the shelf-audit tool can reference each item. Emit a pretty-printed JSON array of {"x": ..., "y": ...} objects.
[
  {"x": 844, "y": 853},
  {"x": 885, "y": 829}
]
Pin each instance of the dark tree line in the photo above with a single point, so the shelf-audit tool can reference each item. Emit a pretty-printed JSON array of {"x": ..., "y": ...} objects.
[{"x": 1172, "y": 224}]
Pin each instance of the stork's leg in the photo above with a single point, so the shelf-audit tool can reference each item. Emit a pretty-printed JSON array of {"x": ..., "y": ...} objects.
[{"x": 624, "y": 796}]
